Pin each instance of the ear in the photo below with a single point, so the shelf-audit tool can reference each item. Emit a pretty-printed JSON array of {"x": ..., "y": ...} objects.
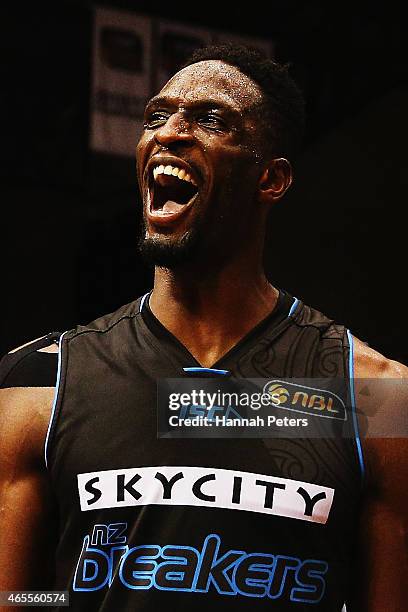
[{"x": 275, "y": 180}]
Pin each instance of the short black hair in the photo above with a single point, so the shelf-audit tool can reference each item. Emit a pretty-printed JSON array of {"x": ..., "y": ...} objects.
[{"x": 283, "y": 105}]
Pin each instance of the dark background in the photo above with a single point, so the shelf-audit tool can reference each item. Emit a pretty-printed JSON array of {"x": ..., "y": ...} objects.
[{"x": 338, "y": 240}]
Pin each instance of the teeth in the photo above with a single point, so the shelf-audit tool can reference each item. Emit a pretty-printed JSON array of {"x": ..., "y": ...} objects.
[{"x": 173, "y": 171}]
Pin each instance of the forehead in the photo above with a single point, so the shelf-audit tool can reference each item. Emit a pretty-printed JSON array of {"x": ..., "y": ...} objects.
[{"x": 216, "y": 81}]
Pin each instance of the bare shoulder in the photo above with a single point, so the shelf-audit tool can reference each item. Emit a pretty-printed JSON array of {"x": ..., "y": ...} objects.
[
  {"x": 27, "y": 387},
  {"x": 24, "y": 416},
  {"x": 381, "y": 386},
  {"x": 382, "y": 405},
  {"x": 369, "y": 363}
]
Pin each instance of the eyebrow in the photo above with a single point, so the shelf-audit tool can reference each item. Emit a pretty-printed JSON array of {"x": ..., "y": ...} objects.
[{"x": 194, "y": 104}]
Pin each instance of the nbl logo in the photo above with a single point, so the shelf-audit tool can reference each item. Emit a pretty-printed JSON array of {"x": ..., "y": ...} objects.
[
  {"x": 305, "y": 399},
  {"x": 279, "y": 394}
]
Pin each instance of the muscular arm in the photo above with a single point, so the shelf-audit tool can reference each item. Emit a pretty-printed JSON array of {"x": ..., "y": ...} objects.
[
  {"x": 381, "y": 570},
  {"x": 25, "y": 500},
  {"x": 27, "y": 514}
]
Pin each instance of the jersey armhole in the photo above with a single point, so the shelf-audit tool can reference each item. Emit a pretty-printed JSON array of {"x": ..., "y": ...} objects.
[
  {"x": 356, "y": 427},
  {"x": 58, "y": 391}
]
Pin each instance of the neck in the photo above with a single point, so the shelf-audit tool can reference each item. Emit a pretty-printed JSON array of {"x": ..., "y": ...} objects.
[{"x": 221, "y": 305}]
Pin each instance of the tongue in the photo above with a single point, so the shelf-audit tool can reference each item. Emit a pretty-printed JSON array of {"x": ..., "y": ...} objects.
[{"x": 172, "y": 207}]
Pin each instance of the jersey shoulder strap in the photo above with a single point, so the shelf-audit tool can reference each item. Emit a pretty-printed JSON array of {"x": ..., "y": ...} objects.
[
  {"x": 106, "y": 322},
  {"x": 306, "y": 316}
]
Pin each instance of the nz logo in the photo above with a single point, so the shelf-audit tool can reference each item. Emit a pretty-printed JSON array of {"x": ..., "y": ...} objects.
[{"x": 305, "y": 399}]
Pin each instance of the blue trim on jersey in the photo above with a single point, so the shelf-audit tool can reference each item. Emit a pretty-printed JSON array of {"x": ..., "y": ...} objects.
[
  {"x": 55, "y": 398},
  {"x": 142, "y": 301},
  {"x": 353, "y": 402},
  {"x": 206, "y": 370},
  {"x": 293, "y": 307}
]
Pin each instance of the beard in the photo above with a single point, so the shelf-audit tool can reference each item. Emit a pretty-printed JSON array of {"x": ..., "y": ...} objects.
[
  {"x": 168, "y": 252},
  {"x": 212, "y": 236}
]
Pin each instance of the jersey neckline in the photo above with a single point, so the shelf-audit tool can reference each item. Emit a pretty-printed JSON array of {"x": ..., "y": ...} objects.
[{"x": 177, "y": 350}]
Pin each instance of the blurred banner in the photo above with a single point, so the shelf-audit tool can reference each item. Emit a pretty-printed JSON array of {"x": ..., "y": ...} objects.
[
  {"x": 176, "y": 42},
  {"x": 121, "y": 80},
  {"x": 264, "y": 45},
  {"x": 133, "y": 57}
]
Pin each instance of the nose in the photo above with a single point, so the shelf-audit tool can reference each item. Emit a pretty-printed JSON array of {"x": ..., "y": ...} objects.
[{"x": 176, "y": 131}]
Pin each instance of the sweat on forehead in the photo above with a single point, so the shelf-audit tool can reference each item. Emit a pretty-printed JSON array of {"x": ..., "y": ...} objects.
[{"x": 211, "y": 78}]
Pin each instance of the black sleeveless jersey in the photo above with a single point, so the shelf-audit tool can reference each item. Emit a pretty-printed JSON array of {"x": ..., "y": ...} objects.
[{"x": 221, "y": 524}]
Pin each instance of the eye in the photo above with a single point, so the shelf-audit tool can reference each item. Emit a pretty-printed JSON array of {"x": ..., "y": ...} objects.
[
  {"x": 211, "y": 121},
  {"x": 155, "y": 119}
]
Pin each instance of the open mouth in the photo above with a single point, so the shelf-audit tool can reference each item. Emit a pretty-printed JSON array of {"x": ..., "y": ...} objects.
[{"x": 172, "y": 191}]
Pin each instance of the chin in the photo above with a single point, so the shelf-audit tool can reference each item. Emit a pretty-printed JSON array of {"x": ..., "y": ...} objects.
[{"x": 169, "y": 251}]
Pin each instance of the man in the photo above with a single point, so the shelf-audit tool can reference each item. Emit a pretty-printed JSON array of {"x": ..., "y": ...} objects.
[{"x": 126, "y": 521}]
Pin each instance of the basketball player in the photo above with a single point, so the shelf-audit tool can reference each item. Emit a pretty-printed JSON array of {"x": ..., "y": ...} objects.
[{"x": 125, "y": 521}]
